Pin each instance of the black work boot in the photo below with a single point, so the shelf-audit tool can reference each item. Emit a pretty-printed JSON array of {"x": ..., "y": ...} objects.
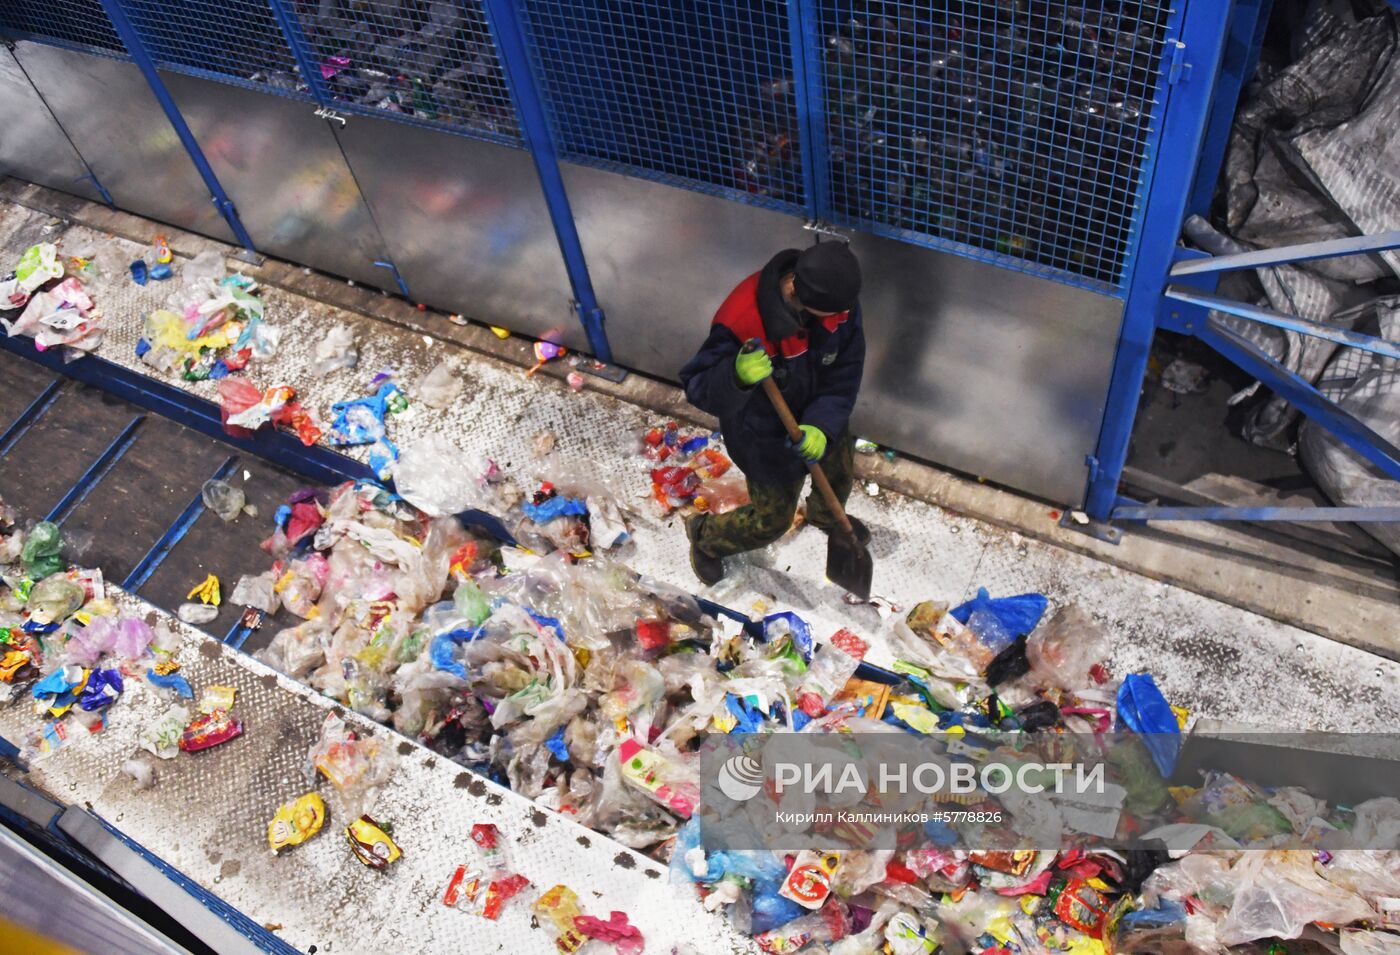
[
  {"x": 857, "y": 525},
  {"x": 709, "y": 569}
]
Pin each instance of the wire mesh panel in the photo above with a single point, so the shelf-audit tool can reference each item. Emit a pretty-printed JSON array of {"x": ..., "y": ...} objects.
[
  {"x": 429, "y": 61},
  {"x": 699, "y": 93},
  {"x": 235, "y": 41},
  {"x": 1019, "y": 129},
  {"x": 81, "y": 24}
]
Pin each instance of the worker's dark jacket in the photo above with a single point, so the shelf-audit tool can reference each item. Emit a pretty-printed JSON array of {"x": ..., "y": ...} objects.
[{"x": 817, "y": 364}]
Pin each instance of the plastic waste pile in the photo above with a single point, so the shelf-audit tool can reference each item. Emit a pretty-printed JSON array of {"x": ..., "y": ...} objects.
[
  {"x": 43, "y": 299},
  {"x": 68, "y": 647},
  {"x": 554, "y": 669},
  {"x": 219, "y": 328},
  {"x": 689, "y": 471}
]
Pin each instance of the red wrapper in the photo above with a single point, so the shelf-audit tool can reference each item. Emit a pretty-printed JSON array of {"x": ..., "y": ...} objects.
[
  {"x": 486, "y": 835},
  {"x": 653, "y": 634},
  {"x": 209, "y": 729},
  {"x": 501, "y": 891}
]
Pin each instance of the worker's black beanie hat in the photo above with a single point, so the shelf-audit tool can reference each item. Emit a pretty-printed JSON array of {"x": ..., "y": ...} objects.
[{"x": 827, "y": 278}]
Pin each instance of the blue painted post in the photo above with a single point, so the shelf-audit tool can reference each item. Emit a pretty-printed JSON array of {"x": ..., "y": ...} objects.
[
  {"x": 142, "y": 58},
  {"x": 505, "y": 23},
  {"x": 310, "y": 73},
  {"x": 810, "y": 89},
  {"x": 1194, "y": 60},
  {"x": 1248, "y": 23}
]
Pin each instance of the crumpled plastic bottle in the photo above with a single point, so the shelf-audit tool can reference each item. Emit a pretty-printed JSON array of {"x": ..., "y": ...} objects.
[
  {"x": 223, "y": 499},
  {"x": 40, "y": 555}
]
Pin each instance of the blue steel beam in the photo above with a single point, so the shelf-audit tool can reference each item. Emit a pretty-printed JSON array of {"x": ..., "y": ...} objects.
[
  {"x": 174, "y": 533},
  {"x": 504, "y": 20},
  {"x": 1307, "y": 399},
  {"x": 28, "y": 416},
  {"x": 318, "y": 463},
  {"x": 96, "y": 472},
  {"x": 1264, "y": 316},
  {"x": 1288, "y": 254},
  {"x": 1182, "y": 125},
  {"x": 807, "y": 68},
  {"x": 1249, "y": 21},
  {"x": 1294, "y": 515},
  {"x": 136, "y": 47}
]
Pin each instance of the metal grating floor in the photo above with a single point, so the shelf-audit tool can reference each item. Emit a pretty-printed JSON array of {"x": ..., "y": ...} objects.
[{"x": 207, "y": 816}]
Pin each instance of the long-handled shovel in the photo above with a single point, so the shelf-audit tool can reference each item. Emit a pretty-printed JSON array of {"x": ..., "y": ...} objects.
[{"x": 848, "y": 562}]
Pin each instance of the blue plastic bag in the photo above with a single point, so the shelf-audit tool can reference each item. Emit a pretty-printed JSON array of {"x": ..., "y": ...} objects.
[
  {"x": 440, "y": 651},
  {"x": 1143, "y": 709},
  {"x": 1019, "y": 614},
  {"x": 171, "y": 681},
  {"x": 801, "y": 633},
  {"x": 555, "y": 744},
  {"x": 557, "y": 506}
]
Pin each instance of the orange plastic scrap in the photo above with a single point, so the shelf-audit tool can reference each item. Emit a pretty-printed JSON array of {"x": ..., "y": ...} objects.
[{"x": 712, "y": 462}]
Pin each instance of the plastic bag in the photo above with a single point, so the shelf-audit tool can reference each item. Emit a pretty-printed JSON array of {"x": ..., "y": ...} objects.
[
  {"x": 37, "y": 265},
  {"x": 1277, "y": 894},
  {"x": 201, "y": 275},
  {"x": 40, "y": 554},
  {"x": 439, "y": 478},
  {"x": 296, "y": 651},
  {"x": 256, "y": 592},
  {"x": 1017, "y": 615},
  {"x": 1143, "y": 709},
  {"x": 832, "y": 665},
  {"x": 54, "y": 599},
  {"x": 1064, "y": 650},
  {"x": 224, "y": 499},
  {"x": 236, "y": 395},
  {"x": 357, "y": 767},
  {"x": 335, "y": 351},
  {"x": 440, "y": 387},
  {"x": 196, "y": 615}
]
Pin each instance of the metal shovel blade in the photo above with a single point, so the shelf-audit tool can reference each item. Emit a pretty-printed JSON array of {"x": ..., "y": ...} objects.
[{"x": 848, "y": 564}]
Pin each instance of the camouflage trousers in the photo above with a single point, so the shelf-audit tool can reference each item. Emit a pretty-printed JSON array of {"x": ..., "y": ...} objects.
[{"x": 771, "y": 508}]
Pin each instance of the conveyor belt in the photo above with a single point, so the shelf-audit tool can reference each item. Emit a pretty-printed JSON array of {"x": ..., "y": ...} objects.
[{"x": 124, "y": 485}]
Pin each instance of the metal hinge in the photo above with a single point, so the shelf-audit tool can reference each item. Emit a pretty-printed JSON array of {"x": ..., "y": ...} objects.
[
  {"x": 1092, "y": 463},
  {"x": 330, "y": 114},
  {"x": 1177, "y": 67},
  {"x": 821, "y": 227}
]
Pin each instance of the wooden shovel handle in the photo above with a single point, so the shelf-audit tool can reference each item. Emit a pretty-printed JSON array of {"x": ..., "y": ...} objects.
[{"x": 819, "y": 481}]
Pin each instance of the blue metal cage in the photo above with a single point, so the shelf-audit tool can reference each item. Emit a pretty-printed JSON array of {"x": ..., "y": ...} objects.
[
  {"x": 698, "y": 94},
  {"x": 433, "y": 63},
  {"x": 76, "y": 24},
  {"x": 234, "y": 41},
  {"x": 1015, "y": 129}
]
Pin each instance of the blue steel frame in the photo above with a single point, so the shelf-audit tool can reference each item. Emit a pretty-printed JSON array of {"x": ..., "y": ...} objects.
[
  {"x": 503, "y": 17},
  {"x": 1221, "y": 47},
  {"x": 1249, "y": 21},
  {"x": 142, "y": 58},
  {"x": 1187, "y": 311}
]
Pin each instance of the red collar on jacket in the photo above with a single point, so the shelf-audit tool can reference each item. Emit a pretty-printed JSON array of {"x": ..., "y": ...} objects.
[{"x": 740, "y": 315}]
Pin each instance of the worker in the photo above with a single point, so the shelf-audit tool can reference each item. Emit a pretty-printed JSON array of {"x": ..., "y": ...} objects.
[{"x": 803, "y": 309}]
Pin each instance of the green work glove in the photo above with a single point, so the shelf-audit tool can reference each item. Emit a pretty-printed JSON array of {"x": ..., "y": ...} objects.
[
  {"x": 752, "y": 367},
  {"x": 813, "y": 444}
]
